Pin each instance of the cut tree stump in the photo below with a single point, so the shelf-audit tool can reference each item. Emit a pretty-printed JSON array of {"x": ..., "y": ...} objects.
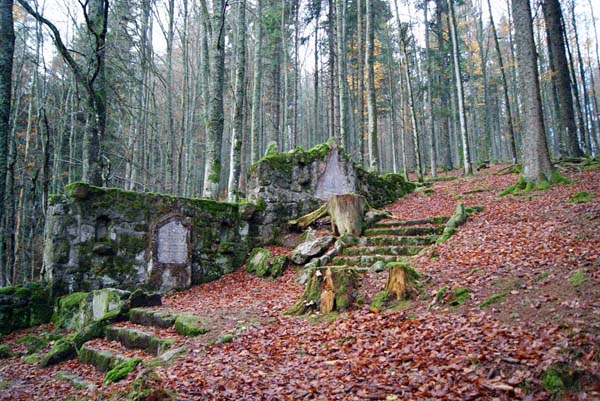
[
  {"x": 327, "y": 289},
  {"x": 347, "y": 213},
  {"x": 401, "y": 281}
]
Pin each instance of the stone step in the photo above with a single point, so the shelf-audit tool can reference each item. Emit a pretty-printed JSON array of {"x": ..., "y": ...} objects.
[
  {"x": 102, "y": 359},
  {"x": 404, "y": 231},
  {"x": 382, "y": 250},
  {"x": 394, "y": 240},
  {"x": 134, "y": 338},
  {"x": 438, "y": 220},
  {"x": 365, "y": 260},
  {"x": 150, "y": 317}
]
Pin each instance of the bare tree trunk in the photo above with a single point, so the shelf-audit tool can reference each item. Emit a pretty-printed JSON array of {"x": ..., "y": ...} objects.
[
  {"x": 7, "y": 47},
  {"x": 257, "y": 86},
  {"x": 536, "y": 160},
  {"x": 361, "y": 81},
  {"x": 560, "y": 75},
  {"x": 510, "y": 124},
  {"x": 214, "y": 134},
  {"x": 342, "y": 72},
  {"x": 433, "y": 150},
  {"x": 238, "y": 106},
  {"x": 371, "y": 96},
  {"x": 460, "y": 92}
]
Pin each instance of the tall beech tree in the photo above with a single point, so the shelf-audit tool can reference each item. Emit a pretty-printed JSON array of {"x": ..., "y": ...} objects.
[{"x": 536, "y": 160}]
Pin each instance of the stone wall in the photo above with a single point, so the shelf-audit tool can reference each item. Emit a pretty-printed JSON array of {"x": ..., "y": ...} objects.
[
  {"x": 24, "y": 306},
  {"x": 285, "y": 186},
  {"x": 98, "y": 237}
]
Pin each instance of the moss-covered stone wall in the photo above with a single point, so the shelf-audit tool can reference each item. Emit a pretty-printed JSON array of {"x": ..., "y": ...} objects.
[
  {"x": 107, "y": 237},
  {"x": 288, "y": 185},
  {"x": 24, "y": 306}
]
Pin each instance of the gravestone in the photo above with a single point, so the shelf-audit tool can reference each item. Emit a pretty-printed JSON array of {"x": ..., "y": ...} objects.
[
  {"x": 172, "y": 243},
  {"x": 171, "y": 269}
]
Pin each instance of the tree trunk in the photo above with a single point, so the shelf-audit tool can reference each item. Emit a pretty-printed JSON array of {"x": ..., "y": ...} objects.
[
  {"x": 401, "y": 281},
  {"x": 433, "y": 150},
  {"x": 342, "y": 72},
  {"x": 509, "y": 119},
  {"x": 460, "y": 92},
  {"x": 347, "y": 214},
  {"x": 7, "y": 47},
  {"x": 536, "y": 160},
  {"x": 371, "y": 96},
  {"x": 257, "y": 87},
  {"x": 238, "y": 106},
  {"x": 560, "y": 76},
  {"x": 214, "y": 134},
  {"x": 361, "y": 82}
]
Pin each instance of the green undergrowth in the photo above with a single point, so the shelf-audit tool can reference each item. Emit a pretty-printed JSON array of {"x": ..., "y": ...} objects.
[
  {"x": 582, "y": 197},
  {"x": 526, "y": 186},
  {"x": 5, "y": 351},
  {"x": 459, "y": 296},
  {"x": 379, "y": 301},
  {"x": 557, "y": 379}
]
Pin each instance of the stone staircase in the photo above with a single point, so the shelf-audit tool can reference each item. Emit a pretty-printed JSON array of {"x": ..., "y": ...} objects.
[
  {"x": 391, "y": 240},
  {"x": 146, "y": 335}
]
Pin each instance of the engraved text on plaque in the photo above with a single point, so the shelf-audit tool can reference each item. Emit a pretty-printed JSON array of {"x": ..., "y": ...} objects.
[{"x": 172, "y": 243}]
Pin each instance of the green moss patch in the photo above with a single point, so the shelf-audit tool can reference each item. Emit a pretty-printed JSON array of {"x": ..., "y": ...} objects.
[
  {"x": 5, "y": 351},
  {"x": 459, "y": 296},
  {"x": 493, "y": 299},
  {"x": 379, "y": 301},
  {"x": 121, "y": 370},
  {"x": 578, "y": 278},
  {"x": 68, "y": 308},
  {"x": 32, "y": 359},
  {"x": 190, "y": 326},
  {"x": 24, "y": 306},
  {"x": 262, "y": 264},
  {"x": 33, "y": 343},
  {"x": 582, "y": 197}
]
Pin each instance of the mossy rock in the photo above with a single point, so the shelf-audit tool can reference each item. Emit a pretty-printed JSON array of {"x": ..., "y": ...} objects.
[
  {"x": 148, "y": 317},
  {"x": 68, "y": 309},
  {"x": 32, "y": 359},
  {"x": 190, "y": 326},
  {"x": 132, "y": 338},
  {"x": 121, "y": 370},
  {"x": 262, "y": 264},
  {"x": 24, "y": 306},
  {"x": 6, "y": 351}
]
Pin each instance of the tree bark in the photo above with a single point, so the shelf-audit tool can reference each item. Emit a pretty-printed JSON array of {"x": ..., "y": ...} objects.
[
  {"x": 536, "y": 160},
  {"x": 347, "y": 214},
  {"x": 342, "y": 72},
  {"x": 212, "y": 169},
  {"x": 560, "y": 76},
  {"x": 371, "y": 95},
  {"x": 238, "y": 106},
  {"x": 257, "y": 86},
  {"x": 460, "y": 92},
  {"x": 7, "y": 47}
]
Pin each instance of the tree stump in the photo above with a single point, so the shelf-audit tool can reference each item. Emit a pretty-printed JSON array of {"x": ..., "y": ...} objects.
[
  {"x": 347, "y": 214},
  {"x": 327, "y": 289},
  {"x": 401, "y": 280}
]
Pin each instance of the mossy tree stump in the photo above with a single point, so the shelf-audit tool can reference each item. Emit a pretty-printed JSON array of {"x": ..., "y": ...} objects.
[
  {"x": 401, "y": 281},
  {"x": 327, "y": 289},
  {"x": 347, "y": 213}
]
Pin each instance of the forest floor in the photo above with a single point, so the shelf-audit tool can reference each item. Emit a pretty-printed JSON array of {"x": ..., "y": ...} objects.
[{"x": 529, "y": 321}]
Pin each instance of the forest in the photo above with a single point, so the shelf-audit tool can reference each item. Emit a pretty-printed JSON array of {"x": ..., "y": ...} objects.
[{"x": 170, "y": 105}]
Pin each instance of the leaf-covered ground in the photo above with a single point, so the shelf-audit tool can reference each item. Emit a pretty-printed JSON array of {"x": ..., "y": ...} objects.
[{"x": 528, "y": 264}]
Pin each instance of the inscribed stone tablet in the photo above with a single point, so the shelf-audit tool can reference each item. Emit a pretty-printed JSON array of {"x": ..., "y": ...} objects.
[{"x": 172, "y": 244}]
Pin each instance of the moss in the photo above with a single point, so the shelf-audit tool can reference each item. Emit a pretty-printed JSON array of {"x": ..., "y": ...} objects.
[
  {"x": 557, "y": 379},
  {"x": 285, "y": 161},
  {"x": 5, "y": 351},
  {"x": 439, "y": 295},
  {"x": 493, "y": 299},
  {"x": 459, "y": 296},
  {"x": 582, "y": 197},
  {"x": 379, "y": 301},
  {"x": 190, "y": 326},
  {"x": 225, "y": 338},
  {"x": 32, "y": 343},
  {"x": 577, "y": 279},
  {"x": 121, "y": 370},
  {"x": 32, "y": 359},
  {"x": 67, "y": 310}
]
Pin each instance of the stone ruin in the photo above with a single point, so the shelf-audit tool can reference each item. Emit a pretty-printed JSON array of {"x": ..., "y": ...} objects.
[{"x": 104, "y": 237}]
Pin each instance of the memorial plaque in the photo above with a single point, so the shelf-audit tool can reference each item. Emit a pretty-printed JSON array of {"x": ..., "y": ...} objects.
[{"x": 172, "y": 243}]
